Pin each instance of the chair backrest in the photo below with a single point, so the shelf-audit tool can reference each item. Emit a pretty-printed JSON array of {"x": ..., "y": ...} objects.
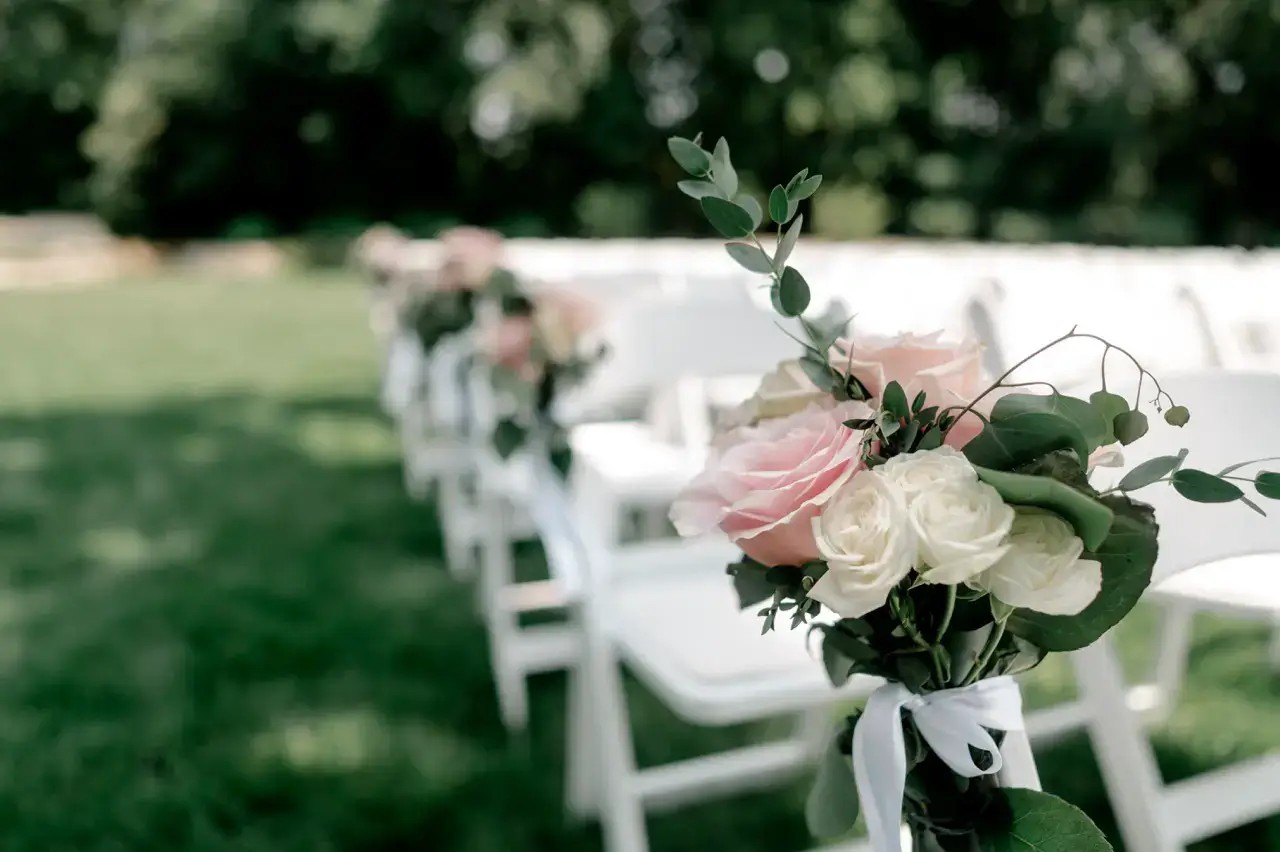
[
  {"x": 1114, "y": 295},
  {"x": 656, "y": 340},
  {"x": 1233, "y": 417}
]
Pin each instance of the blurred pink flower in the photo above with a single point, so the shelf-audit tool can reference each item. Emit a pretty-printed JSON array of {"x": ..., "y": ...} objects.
[{"x": 950, "y": 374}]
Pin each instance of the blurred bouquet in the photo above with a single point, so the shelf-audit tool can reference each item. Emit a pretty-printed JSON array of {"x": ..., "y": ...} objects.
[
  {"x": 447, "y": 306},
  {"x": 946, "y": 521},
  {"x": 540, "y": 343}
]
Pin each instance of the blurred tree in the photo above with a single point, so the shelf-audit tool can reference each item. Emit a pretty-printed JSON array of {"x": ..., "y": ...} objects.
[{"x": 1134, "y": 121}]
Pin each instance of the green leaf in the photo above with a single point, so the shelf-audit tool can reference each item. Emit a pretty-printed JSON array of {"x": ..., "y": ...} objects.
[
  {"x": 799, "y": 176},
  {"x": 722, "y": 171},
  {"x": 1084, "y": 415},
  {"x": 1032, "y": 821},
  {"x": 788, "y": 243},
  {"x": 805, "y": 188},
  {"x": 1023, "y": 437},
  {"x": 1268, "y": 484},
  {"x": 750, "y": 257},
  {"x": 778, "y": 206},
  {"x": 746, "y": 202},
  {"x": 832, "y": 807},
  {"x": 1088, "y": 516},
  {"x": 1109, "y": 406},
  {"x": 1151, "y": 470},
  {"x": 894, "y": 400},
  {"x": 818, "y": 371},
  {"x": 727, "y": 217},
  {"x": 1127, "y": 556},
  {"x": 508, "y": 435},
  {"x": 690, "y": 156},
  {"x": 750, "y": 581},
  {"x": 793, "y": 292},
  {"x": 1129, "y": 426},
  {"x": 917, "y": 405},
  {"x": 1205, "y": 487},
  {"x": 1177, "y": 416},
  {"x": 699, "y": 189},
  {"x": 931, "y": 440},
  {"x": 1232, "y": 468}
]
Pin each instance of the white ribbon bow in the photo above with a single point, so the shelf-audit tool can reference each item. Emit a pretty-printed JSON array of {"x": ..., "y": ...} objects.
[{"x": 950, "y": 721}]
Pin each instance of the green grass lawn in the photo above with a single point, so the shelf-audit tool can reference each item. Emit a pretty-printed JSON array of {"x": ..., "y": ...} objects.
[{"x": 224, "y": 627}]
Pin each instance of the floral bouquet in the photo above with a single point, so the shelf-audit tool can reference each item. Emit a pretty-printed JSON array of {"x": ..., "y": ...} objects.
[
  {"x": 470, "y": 257},
  {"x": 539, "y": 344},
  {"x": 948, "y": 524}
]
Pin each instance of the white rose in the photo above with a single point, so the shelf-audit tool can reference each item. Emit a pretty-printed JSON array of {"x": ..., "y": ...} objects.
[
  {"x": 1042, "y": 569},
  {"x": 916, "y": 473},
  {"x": 961, "y": 528},
  {"x": 781, "y": 393},
  {"x": 867, "y": 542}
]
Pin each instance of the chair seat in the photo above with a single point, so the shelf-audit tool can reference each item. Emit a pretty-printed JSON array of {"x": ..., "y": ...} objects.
[
  {"x": 688, "y": 641},
  {"x": 1243, "y": 585},
  {"x": 631, "y": 462}
]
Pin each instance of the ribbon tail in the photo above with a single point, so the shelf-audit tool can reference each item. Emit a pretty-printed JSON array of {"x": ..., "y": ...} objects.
[{"x": 880, "y": 766}]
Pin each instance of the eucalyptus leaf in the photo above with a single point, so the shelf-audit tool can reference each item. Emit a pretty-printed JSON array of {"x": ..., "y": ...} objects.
[
  {"x": 805, "y": 188},
  {"x": 1109, "y": 406},
  {"x": 699, "y": 189},
  {"x": 1127, "y": 557},
  {"x": 894, "y": 400},
  {"x": 1129, "y": 426},
  {"x": 1032, "y": 821},
  {"x": 818, "y": 371},
  {"x": 750, "y": 582},
  {"x": 930, "y": 440},
  {"x": 689, "y": 155},
  {"x": 750, "y": 257},
  {"x": 1177, "y": 416},
  {"x": 1202, "y": 487},
  {"x": 1023, "y": 437},
  {"x": 726, "y": 217},
  {"x": 1151, "y": 470},
  {"x": 749, "y": 204},
  {"x": 1088, "y": 516},
  {"x": 799, "y": 176},
  {"x": 508, "y": 435},
  {"x": 1084, "y": 415},
  {"x": 788, "y": 243},
  {"x": 832, "y": 806},
  {"x": 722, "y": 171},
  {"x": 778, "y": 205},
  {"x": 1268, "y": 484},
  {"x": 793, "y": 292}
]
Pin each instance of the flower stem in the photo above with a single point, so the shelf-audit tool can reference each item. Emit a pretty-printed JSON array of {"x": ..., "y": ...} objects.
[
  {"x": 947, "y": 613},
  {"x": 984, "y": 659}
]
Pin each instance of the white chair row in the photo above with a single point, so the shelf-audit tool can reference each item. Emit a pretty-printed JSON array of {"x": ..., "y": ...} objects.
[{"x": 625, "y": 465}]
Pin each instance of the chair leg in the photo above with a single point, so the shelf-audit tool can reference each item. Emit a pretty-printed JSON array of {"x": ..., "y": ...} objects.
[
  {"x": 582, "y": 749},
  {"x": 1172, "y": 654},
  {"x": 496, "y": 573},
  {"x": 456, "y": 523},
  {"x": 1124, "y": 754},
  {"x": 622, "y": 811}
]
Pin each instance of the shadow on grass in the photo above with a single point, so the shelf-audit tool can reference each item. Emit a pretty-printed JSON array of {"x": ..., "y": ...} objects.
[{"x": 224, "y": 627}]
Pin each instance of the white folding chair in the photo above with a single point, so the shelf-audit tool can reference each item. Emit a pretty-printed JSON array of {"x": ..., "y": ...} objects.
[
  {"x": 667, "y": 611},
  {"x": 1220, "y": 558},
  {"x": 639, "y": 469}
]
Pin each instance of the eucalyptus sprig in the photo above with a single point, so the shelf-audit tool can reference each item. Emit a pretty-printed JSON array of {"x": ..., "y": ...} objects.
[{"x": 737, "y": 215}]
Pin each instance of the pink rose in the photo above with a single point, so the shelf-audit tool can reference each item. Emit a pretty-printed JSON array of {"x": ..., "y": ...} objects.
[
  {"x": 471, "y": 256},
  {"x": 950, "y": 374},
  {"x": 764, "y": 484},
  {"x": 508, "y": 343}
]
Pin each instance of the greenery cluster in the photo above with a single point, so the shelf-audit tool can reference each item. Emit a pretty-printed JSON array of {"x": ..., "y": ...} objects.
[
  {"x": 1034, "y": 450},
  {"x": 1132, "y": 121}
]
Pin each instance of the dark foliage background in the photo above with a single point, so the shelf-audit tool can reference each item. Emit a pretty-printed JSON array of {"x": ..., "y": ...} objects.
[{"x": 1130, "y": 121}]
